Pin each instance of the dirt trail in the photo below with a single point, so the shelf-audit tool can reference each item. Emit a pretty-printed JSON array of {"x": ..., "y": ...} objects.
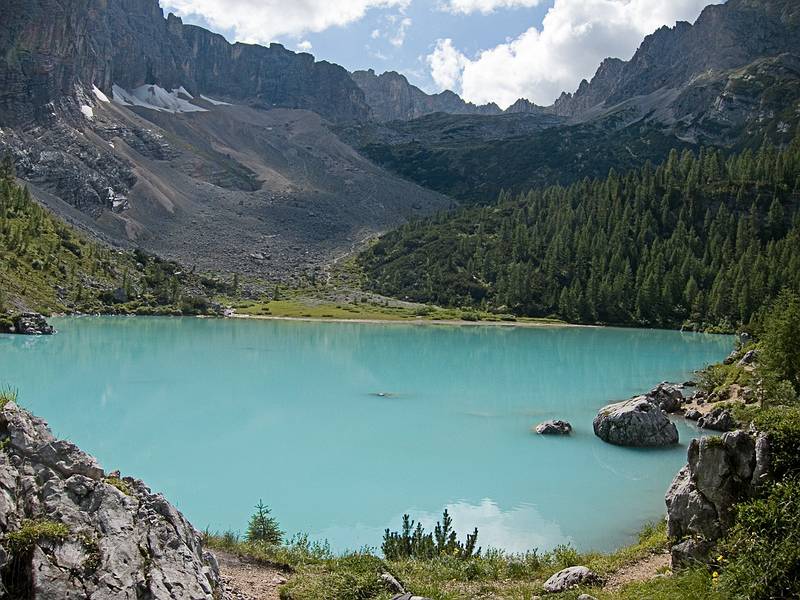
[
  {"x": 251, "y": 580},
  {"x": 644, "y": 570}
]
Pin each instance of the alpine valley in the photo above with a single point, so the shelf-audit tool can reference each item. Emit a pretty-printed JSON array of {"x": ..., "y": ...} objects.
[{"x": 151, "y": 168}]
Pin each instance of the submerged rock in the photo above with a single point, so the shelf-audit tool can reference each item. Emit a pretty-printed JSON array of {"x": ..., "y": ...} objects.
[
  {"x": 719, "y": 419},
  {"x": 31, "y": 323},
  {"x": 569, "y": 578},
  {"x": 637, "y": 422},
  {"x": 120, "y": 540},
  {"x": 556, "y": 427}
]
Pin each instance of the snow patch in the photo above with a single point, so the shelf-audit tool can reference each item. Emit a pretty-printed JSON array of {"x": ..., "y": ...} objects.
[
  {"x": 155, "y": 98},
  {"x": 182, "y": 91},
  {"x": 215, "y": 102},
  {"x": 87, "y": 112},
  {"x": 100, "y": 95}
]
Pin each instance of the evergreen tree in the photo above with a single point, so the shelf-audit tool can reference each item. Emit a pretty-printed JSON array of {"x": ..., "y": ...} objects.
[{"x": 263, "y": 527}]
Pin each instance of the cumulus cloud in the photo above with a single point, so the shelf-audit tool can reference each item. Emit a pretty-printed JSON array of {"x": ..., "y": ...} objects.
[
  {"x": 467, "y": 7},
  {"x": 447, "y": 65},
  {"x": 305, "y": 46},
  {"x": 263, "y": 21},
  {"x": 541, "y": 63}
]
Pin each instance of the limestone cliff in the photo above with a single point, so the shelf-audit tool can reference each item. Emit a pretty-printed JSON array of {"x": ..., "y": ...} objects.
[{"x": 48, "y": 47}]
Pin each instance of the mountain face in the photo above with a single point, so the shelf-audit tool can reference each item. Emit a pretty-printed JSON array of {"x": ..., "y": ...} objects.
[
  {"x": 48, "y": 47},
  {"x": 148, "y": 132},
  {"x": 730, "y": 74},
  {"x": 392, "y": 98}
]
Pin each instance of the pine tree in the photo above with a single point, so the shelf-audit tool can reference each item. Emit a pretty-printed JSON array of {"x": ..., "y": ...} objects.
[{"x": 263, "y": 528}]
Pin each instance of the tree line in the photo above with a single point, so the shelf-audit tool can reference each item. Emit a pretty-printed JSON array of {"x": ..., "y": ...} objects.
[{"x": 702, "y": 239}]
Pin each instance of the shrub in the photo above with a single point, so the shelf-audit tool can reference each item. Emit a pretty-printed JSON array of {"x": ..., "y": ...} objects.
[
  {"x": 413, "y": 542},
  {"x": 32, "y": 532},
  {"x": 7, "y": 395},
  {"x": 760, "y": 558},
  {"x": 783, "y": 426}
]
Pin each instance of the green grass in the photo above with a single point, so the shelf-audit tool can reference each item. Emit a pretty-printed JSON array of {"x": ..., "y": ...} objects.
[
  {"x": 32, "y": 532},
  {"x": 7, "y": 394},
  {"x": 305, "y": 306},
  {"x": 121, "y": 485},
  {"x": 319, "y": 574}
]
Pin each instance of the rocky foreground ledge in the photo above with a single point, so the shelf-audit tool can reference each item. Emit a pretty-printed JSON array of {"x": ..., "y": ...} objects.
[{"x": 69, "y": 530}]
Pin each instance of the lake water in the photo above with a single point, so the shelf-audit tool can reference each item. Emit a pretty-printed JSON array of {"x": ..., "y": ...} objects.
[{"x": 219, "y": 414}]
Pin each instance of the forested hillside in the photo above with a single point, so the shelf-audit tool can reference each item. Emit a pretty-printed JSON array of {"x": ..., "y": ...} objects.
[
  {"x": 701, "y": 240},
  {"x": 46, "y": 265}
]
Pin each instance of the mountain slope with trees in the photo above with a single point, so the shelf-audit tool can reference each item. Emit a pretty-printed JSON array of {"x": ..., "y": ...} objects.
[{"x": 700, "y": 239}]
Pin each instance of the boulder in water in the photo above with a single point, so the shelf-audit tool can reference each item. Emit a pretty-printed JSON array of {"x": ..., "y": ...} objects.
[
  {"x": 555, "y": 427},
  {"x": 637, "y": 422},
  {"x": 31, "y": 323}
]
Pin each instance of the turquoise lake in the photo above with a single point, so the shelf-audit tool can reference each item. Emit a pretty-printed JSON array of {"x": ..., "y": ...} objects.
[{"x": 218, "y": 414}]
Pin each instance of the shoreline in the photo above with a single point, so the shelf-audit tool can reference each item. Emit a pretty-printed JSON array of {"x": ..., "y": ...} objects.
[{"x": 419, "y": 321}]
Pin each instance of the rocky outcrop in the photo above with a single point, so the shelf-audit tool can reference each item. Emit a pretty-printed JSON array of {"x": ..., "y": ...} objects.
[
  {"x": 51, "y": 49},
  {"x": 701, "y": 500},
  {"x": 569, "y": 578},
  {"x": 719, "y": 419},
  {"x": 556, "y": 427},
  {"x": 637, "y": 422},
  {"x": 89, "y": 534},
  {"x": 667, "y": 397},
  {"x": 31, "y": 323}
]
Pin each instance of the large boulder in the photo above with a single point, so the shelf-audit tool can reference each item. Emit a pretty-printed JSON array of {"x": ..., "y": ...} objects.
[
  {"x": 637, "y": 422},
  {"x": 569, "y": 578},
  {"x": 554, "y": 428},
  {"x": 118, "y": 539},
  {"x": 701, "y": 499}
]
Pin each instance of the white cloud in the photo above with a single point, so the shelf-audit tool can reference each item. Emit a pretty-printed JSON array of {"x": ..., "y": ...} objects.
[
  {"x": 399, "y": 36},
  {"x": 467, "y": 7},
  {"x": 305, "y": 46},
  {"x": 576, "y": 35},
  {"x": 447, "y": 65},
  {"x": 263, "y": 21}
]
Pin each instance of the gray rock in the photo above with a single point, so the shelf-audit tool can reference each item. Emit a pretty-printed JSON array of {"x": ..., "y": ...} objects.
[
  {"x": 719, "y": 419},
  {"x": 31, "y": 323},
  {"x": 636, "y": 422},
  {"x": 693, "y": 415},
  {"x": 700, "y": 502},
  {"x": 586, "y": 597},
  {"x": 690, "y": 553},
  {"x": 120, "y": 545},
  {"x": 749, "y": 358},
  {"x": 556, "y": 427},
  {"x": 666, "y": 396},
  {"x": 392, "y": 584},
  {"x": 569, "y": 578}
]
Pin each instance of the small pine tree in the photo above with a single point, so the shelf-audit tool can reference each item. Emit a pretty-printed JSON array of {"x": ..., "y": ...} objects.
[{"x": 263, "y": 528}]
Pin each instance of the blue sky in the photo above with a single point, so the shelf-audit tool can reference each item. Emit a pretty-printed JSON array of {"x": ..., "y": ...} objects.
[{"x": 485, "y": 50}]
